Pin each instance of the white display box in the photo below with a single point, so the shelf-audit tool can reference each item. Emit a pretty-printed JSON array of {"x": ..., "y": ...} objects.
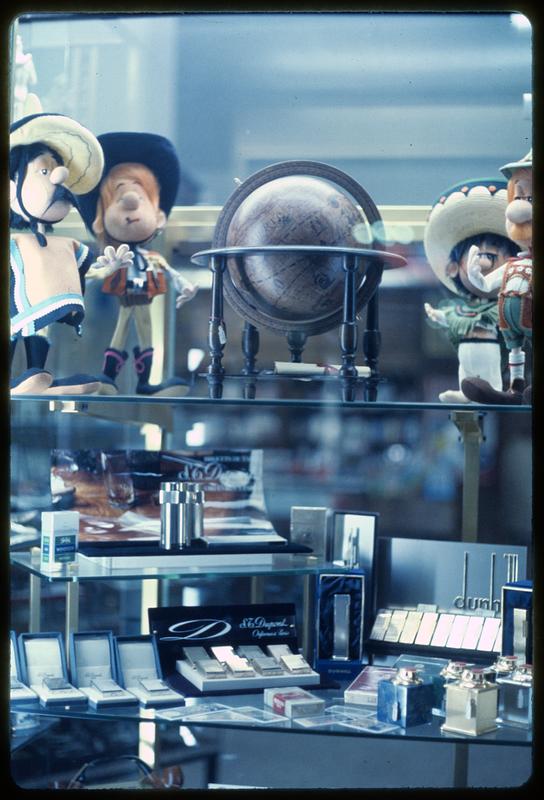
[
  {"x": 19, "y": 693},
  {"x": 136, "y": 662},
  {"x": 232, "y": 683},
  {"x": 43, "y": 657},
  {"x": 179, "y": 560},
  {"x": 92, "y": 659},
  {"x": 59, "y": 538}
]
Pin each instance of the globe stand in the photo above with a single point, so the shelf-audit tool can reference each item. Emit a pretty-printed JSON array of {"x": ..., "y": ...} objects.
[{"x": 373, "y": 262}]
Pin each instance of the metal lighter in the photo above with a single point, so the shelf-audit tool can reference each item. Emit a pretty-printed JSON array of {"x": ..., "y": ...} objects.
[
  {"x": 451, "y": 673},
  {"x": 471, "y": 704},
  {"x": 405, "y": 699},
  {"x": 170, "y": 498},
  {"x": 503, "y": 667},
  {"x": 516, "y": 697}
]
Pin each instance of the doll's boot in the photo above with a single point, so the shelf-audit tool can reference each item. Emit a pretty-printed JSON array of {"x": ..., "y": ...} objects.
[
  {"x": 173, "y": 387},
  {"x": 114, "y": 361},
  {"x": 481, "y": 391},
  {"x": 35, "y": 379}
]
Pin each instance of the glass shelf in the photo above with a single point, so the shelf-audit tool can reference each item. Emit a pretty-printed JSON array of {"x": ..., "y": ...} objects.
[
  {"x": 89, "y": 402},
  {"x": 503, "y": 735},
  {"x": 85, "y": 570}
]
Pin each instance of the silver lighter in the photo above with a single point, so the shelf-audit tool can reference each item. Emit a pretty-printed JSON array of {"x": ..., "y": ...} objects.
[
  {"x": 170, "y": 498},
  {"x": 471, "y": 704},
  {"x": 516, "y": 697},
  {"x": 308, "y": 526},
  {"x": 503, "y": 667},
  {"x": 191, "y": 519}
]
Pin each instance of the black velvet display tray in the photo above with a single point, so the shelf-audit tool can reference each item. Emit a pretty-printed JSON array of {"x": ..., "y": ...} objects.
[{"x": 197, "y": 549}]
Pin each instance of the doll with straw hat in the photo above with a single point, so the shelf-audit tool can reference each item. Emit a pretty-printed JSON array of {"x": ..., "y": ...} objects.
[
  {"x": 513, "y": 281},
  {"x": 469, "y": 215},
  {"x": 52, "y": 159}
]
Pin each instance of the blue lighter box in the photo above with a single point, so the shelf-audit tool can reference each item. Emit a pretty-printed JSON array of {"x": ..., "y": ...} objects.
[
  {"x": 340, "y": 619},
  {"x": 405, "y": 705},
  {"x": 431, "y": 668},
  {"x": 517, "y": 623}
]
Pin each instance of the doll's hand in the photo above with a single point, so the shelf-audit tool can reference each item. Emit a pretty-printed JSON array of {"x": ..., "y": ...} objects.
[
  {"x": 436, "y": 315},
  {"x": 113, "y": 259},
  {"x": 474, "y": 268},
  {"x": 185, "y": 289}
]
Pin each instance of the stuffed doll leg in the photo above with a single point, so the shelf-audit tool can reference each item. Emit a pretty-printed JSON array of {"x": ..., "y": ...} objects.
[
  {"x": 35, "y": 379},
  {"x": 481, "y": 359},
  {"x": 143, "y": 361},
  {"x": 114, "y": 355},
  {"x": 481, "y": 391}
]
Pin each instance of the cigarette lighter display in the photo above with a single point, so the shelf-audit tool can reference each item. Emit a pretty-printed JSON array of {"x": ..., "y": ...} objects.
[
  {"x": 406, "y": 699},
  {"x": 471, "y": 704},
  {"x": 340, "y": 617},
  {"x": 516, "y": 697}
]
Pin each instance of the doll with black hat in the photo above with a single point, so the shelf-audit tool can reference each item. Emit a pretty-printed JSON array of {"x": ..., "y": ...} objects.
[
  {"x": 468, "y": 220},
  {"x": 128, "y": 208},
  {"x": 52, "y": 159},
  {"x": 513, "y": 281}
]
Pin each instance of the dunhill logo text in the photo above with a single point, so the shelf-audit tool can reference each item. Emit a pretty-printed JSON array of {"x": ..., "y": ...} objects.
[
  {"x": 472, "y": 603},
  {"x": 462, "y": 601}
]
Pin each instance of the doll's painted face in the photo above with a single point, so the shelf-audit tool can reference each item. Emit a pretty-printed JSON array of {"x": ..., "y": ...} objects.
[
  {"x": 43, "y": 193},
  {"x": 491, "y": 256},
  {"x": 519, "y": 211},
  {"x": 131, "y": 213}
]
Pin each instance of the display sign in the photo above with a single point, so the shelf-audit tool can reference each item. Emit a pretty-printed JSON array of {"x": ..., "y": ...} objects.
[{"x": 117, "y": 493}]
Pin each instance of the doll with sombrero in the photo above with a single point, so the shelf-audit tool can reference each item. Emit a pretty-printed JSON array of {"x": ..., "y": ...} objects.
[
  {"x": 469, "y": 218},
  {"x": 52, "y": 159},
  {"x": 513, "y": 281},
  {"x": 129, "y": 207}
]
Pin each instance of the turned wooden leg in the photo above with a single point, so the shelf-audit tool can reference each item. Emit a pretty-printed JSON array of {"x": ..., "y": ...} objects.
[
  {"x": 371, "y": 348},
  {"x": 296, "y": 341},
  {"x": 349, "y": 332},
  {"x": 250, "y": 348},
  {"x": 217, "y": 334}
]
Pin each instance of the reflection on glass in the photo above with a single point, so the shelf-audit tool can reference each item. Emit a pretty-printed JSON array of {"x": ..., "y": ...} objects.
[{"x": 118, "y": 479}]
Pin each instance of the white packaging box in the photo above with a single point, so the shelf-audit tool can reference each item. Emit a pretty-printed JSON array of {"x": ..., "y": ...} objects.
[
  {"x": 292, "y": 701},
  {"x": 60, "y": 532}
]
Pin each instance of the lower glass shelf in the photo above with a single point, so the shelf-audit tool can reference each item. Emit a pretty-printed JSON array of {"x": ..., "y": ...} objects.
[{"x": 236, "y": 709}]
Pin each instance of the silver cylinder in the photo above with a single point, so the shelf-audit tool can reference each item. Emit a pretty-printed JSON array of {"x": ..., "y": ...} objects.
[
  {"x": 169, "y": 500},
  {"x": 192, "y": 520}
]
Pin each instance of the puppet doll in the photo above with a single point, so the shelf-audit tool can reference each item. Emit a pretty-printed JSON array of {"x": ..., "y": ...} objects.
[
  {"x": 469, "y": 215},
  {"x": 514, "y": 283},
  {"x": 129, "y": 207},
  {"x": 52, "y": 159}
]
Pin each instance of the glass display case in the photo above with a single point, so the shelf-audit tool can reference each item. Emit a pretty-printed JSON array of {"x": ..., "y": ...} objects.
[{"x": 329, "y": 88}]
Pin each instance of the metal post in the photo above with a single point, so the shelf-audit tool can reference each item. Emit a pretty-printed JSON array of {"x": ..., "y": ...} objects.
[
  {"x": 71, "y": 613},
  {"x": 470, "y": 428},
  {"x": 149, "y": 599},
  {"x": 460, "y": 765},
  {"x": 308, "y": 614},
  {"x": 34, "y": 603},
  {"x": 257, "y": 589}
]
